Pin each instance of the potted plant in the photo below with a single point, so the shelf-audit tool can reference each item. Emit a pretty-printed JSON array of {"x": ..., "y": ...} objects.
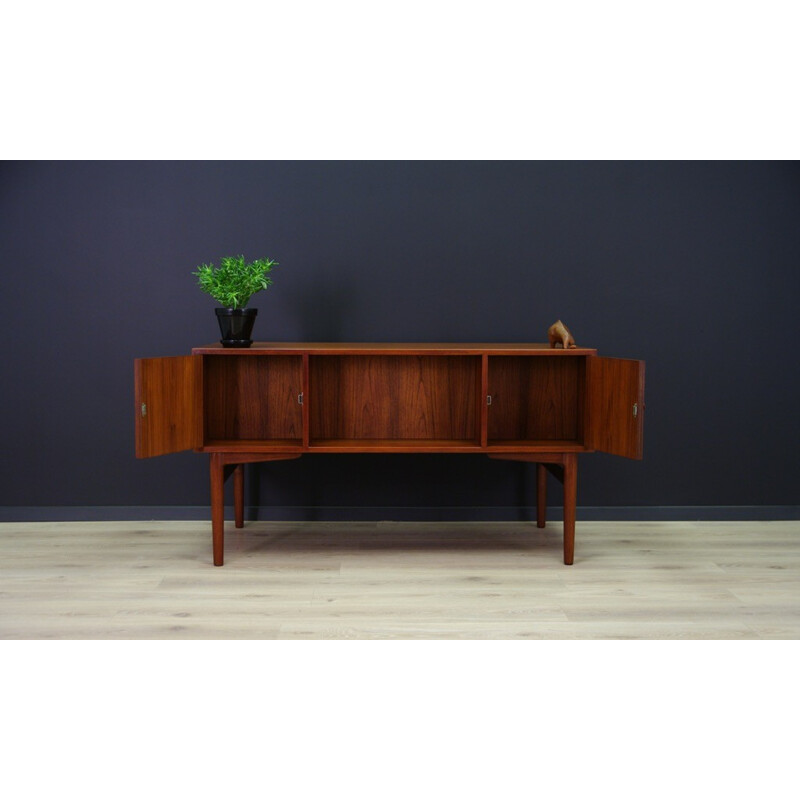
[{"x": 232, "y": 284}]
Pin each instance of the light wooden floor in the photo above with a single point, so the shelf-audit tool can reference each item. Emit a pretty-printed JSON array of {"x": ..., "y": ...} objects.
[{"x": 630, "y": 580}]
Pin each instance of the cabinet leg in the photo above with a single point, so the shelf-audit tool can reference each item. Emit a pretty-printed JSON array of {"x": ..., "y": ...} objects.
[
  {"x": 217, "y": 508},
  {"x": 570, "y": 497},
  {"x": 238, "y": 495},
  {"x": 541, "y": 495}
]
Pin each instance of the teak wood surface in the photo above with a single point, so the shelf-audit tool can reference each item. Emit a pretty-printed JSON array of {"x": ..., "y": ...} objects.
[
  {"x": 616, "y": 406},
  {"x": 395, "y": 348},
  {"x": 275, "y": 401},
  {"x": 394, "y": 398},
  {"x": 535, "y": 399},
  {"x": 169, "y": 405},
  {"x": 245, "y": 401}
]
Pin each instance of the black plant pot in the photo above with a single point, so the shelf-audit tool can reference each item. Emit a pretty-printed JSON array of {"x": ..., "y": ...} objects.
[{"x": 236, "y": 325}]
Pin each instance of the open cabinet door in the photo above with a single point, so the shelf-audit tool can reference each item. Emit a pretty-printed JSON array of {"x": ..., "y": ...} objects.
[
  {"x": 169, "y": 405},
  {"x": 615, "y": 403}
]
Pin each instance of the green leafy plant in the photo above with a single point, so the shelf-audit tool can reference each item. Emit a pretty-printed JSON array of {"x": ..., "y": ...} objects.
[{"x": 234, "y": 281}]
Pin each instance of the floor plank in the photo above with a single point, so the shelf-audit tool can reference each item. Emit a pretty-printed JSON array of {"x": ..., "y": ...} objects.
[{"x": 630, "y": 580}]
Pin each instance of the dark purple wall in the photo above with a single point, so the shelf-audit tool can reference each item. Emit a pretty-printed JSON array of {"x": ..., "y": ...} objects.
[{"x": 694, "y": 267}]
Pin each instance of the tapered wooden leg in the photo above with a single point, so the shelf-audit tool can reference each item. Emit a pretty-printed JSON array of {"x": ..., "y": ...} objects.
[
  {"x": 238, "y": 495},
  {"x": 217, "y": 508},
  {"x": 541, "y": 495},
  {"x": 570, "y": 497}
]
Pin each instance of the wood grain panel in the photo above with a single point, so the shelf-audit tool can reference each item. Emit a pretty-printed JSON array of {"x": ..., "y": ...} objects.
[
  {"x": 168, "y": 404},
  {"x": 394, "y": 397},
  {"x": 615, "y": 386},
  {"x": 534, "y": 399},
  {"x": 253, "y": 398}
]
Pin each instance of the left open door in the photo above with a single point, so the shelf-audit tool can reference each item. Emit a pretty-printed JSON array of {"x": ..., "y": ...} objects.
[{"x": 169, "y": 404}]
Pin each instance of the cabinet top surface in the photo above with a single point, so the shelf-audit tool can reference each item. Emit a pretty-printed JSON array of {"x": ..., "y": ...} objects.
[{"x": 394, "y": 348}]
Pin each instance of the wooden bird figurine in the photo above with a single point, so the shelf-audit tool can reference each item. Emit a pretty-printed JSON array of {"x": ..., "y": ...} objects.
[{"x": 558, "y": 333}]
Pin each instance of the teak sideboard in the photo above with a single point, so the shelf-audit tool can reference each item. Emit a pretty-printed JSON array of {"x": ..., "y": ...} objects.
[{"x": 276, "y": 401}]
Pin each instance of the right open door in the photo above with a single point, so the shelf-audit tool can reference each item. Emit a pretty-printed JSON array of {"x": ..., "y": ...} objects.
[{"x": 615, "y": 405}]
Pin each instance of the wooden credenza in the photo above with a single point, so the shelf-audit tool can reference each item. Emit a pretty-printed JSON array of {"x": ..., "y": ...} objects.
[{"x": 276, "y": 401}]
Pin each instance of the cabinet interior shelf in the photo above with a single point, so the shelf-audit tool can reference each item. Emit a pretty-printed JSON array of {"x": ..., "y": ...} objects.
[
  {"x": 411, "y": 445},
  {"x": 383, "y": 445},
  {"x": 528, "y": 445},
  {"x": 250, "y": 445}
]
